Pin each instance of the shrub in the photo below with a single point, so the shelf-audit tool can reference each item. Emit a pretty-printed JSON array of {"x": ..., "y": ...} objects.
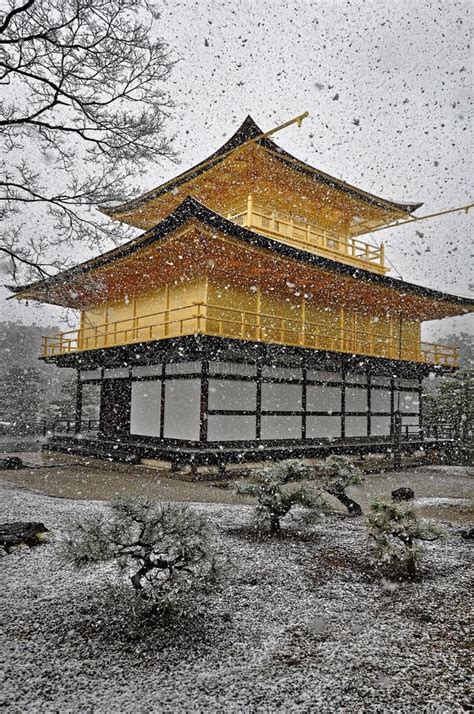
[
  {"x": 338, "y": 473},
  {"x": 395, "y": 531},
  {"x": 163, "y": 549},
  {"x": 276, "y": 499}
]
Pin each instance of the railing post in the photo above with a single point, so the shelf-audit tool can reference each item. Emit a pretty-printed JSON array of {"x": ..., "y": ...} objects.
[
  {"x": 249, "y": 210},
  {"x": 382, "y": 254}
]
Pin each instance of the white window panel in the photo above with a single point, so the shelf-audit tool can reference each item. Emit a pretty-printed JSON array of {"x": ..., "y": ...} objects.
[
  {"x": 410, "y": 421},
  {"x": 323, "y": 427},
  {"x": 356, "y": 400},
  {"x": 231, "y": 427},
  {"x": 282, "y": 372},
  {"x": 146, "y": 408},
  {"x": 147, "y": 370},
  {"x": 323, "y": 399},
  {"x": 183, "y": 367},
  {"x": 232, "y": 394},
  {"x": 281, "y": 427},
  {"x": 408, "y": 383},
  {"x": 380, "y": 400},
  {"x": 182, "y": 409},
  {"x": 117, "y": 373},
  {"x": 409, "y": 402},
  {"x": 353, "y": 378},
  {"x": 243, "y": 370},
  {"x": 90, "y": 374},
  {"x": 381, "y": 381},
  {"x": 356, "y": 426},
  {"x": 324, "y": 375},
  {"x": 281, "y": 397},
  {"x": 380, "y": 426}
]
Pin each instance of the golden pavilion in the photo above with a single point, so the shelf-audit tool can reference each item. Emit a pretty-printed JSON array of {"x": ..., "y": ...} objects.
[{"x": 249, "y": 318}]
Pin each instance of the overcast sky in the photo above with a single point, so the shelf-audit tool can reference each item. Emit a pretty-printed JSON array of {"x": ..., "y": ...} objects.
[{"x": 388, "y": 88}]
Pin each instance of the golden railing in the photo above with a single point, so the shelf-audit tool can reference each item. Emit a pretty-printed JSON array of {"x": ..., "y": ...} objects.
[
  {"x": 209, "y": 319},
  {"x": 299, "y": 233}
]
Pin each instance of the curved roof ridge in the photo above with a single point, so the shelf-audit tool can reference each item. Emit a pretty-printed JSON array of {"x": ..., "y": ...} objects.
[{"x": 249, "y": 129}]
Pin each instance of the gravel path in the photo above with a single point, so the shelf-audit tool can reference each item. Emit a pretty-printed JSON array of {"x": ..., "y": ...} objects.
[
  {"x": 300, "y": 626},
  {"x": 450, "y": 488}
]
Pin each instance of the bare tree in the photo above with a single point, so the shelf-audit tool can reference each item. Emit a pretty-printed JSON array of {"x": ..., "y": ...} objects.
[{"x": 82, "y": 109}]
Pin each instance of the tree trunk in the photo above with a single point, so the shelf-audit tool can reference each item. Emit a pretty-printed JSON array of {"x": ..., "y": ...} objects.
[
  {"x": 274, "y": 524},
  {"x": 137, "y": 577},
  {"x": 352, "y": 506}
]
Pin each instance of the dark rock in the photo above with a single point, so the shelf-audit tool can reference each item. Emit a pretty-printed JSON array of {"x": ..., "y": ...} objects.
[
  {"x": 22, "y": 532},
  {"x": 403, "y": 494},
  {"x": 11, "y": 463},
  {"x": 468, "y": 533}
]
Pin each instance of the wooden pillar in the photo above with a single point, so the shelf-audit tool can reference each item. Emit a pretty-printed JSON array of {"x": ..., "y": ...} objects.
[
  {"x": 342, "y": 329},
  {"x": 258, "y": 311},
  {"x": 343, "y": 404},
  {"x": 420, "y": 409},
  {"x": 369, "y": 404},
  {"x": 162, "y": 401},
  {"x": 204, "y": 401},
  {"x": 397, "y": 439},
  {"x": 258, "y": 409},
  {"x": 135, "y": 319},
  {"x": 167, "y": 307},
  {"x": 400, "y": 338},
  {"x": 304, "y": 403},
  {"x": 78, "y": 415},
  {"x": 302, "y": 339}
]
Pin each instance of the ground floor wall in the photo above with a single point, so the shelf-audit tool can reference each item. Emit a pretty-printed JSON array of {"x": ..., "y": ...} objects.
[{"x": 221, "y": 403}]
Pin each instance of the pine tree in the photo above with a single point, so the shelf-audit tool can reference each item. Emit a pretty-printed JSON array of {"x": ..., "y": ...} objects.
[{"x": 276, "y": 496}]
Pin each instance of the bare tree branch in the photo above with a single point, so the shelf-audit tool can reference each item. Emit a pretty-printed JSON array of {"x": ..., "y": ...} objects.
[
  {"x": 14, "y": 12},
  {"x": 85, "y": 101}
]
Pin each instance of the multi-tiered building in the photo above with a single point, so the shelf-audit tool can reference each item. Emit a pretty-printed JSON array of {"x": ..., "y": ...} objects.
[{"x": 249, "y": 318}]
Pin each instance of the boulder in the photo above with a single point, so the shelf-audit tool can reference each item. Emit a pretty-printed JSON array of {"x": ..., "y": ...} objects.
[
  {"x": 28, "y": 533},
  {"x": 468, "y": 533},
  {"x": 11, "y": 463},
  {"x": 403, "y": 494}
]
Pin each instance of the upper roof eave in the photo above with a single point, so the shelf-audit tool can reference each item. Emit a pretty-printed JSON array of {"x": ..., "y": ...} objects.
[
  {"x": 249, "y": 130},
  {"x": 190, "y": 209}
]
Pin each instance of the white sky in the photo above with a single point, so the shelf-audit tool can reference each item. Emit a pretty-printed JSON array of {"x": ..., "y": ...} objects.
[{"x": 401, "y": 69}]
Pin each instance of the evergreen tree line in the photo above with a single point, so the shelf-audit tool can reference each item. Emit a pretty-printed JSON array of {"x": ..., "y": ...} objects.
[{"x": 30, "y": 390}]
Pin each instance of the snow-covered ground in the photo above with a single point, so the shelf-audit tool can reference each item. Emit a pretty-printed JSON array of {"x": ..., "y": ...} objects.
[{"x": 300, "y": 626}]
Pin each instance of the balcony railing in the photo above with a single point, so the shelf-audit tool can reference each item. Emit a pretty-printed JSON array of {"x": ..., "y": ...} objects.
[
  {"x": 301, "y": 234},
  {"x": 203, "y": 318}
]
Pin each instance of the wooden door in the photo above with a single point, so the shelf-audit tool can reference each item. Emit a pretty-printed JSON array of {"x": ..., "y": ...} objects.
[{"x": 115, "y": 408}]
